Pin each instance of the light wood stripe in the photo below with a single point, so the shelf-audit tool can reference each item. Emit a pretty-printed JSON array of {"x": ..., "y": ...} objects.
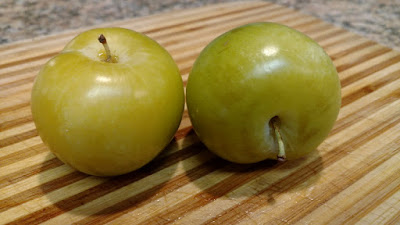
[
  {"x": 386, "y": 213},
  {"x": 360, "y": 56},
  {"x": 187, "y": 184},
  {"x": 362, "y": 89},
  {"x": 11, "y": 133},
  {"x": 368, "y": 66},
  {"x": 14, "y": 118},
  {"x": 26, "y": 144},
  {"x": 360, "y": 44},
  {"x": 34, "y": 181},
  {"x": 389, "y": 183}
]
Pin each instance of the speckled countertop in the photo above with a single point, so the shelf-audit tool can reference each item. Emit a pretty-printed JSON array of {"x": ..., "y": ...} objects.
[{"x": 378, "y": 20}]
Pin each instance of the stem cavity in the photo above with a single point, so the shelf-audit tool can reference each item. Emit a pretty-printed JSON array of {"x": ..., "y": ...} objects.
[
  {"x": 281, "y": 154},
  {"x": 103, "y": 40}
]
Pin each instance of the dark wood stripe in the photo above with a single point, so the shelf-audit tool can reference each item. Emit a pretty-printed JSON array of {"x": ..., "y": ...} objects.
[
  {"x": 395, "y": 219},
  {"x": 350, "y": 50},
  {"x": 241, "y": 175},
  {"x": 376, "y": 197},
  {"x": 365, "y": 111},
  {"x": 110, "y": 213},
  {"x": 328, "y": 35},
  {"x": 29, "y": 171},
  {"x": 371, "y": 87},
  {"x": 110, "y": 185},
  {"x": 15, "y": 122},
  {"x": 302, "y": 175},
  {"x": 362, "y": 58},
  {"x": 15, "y": 107},
  {"x": 316, "y": 28},
  {"x": 31, "y": 69},
  {"x": 18, "y": 138},
  {"x": 342, "y": 39},
  {"x": 205, "y": 18},
  {"x": 26, "y": 60},
  {"x": 198, "y": 27},
  {"x": 7, "y": 86},
  {"x": 315, "y": 22},
  {"x": 370, "y": 70},
  {"x": 23, "y": 154},
  {"x": 39, "y": 191}
]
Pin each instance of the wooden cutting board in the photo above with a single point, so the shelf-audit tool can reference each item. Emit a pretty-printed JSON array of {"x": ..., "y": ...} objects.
[{"x": 353, "y": 177}]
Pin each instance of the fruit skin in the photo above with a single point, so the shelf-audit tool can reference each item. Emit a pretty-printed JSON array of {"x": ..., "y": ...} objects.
[
  {"x": 105, "y": 118},
  {"x": 249, "y": 75}
]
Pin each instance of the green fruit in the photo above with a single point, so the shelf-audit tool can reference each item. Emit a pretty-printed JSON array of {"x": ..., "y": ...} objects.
[
  {"x": 258, "y": 76},
  {"x": 108, "y": 117}
]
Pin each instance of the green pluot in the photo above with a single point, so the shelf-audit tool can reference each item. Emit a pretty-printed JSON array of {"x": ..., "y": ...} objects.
[{"x": 263, "y": 91}]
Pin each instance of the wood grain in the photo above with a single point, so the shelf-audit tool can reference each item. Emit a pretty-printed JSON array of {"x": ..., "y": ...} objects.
[{"x": 354, "y": 177}]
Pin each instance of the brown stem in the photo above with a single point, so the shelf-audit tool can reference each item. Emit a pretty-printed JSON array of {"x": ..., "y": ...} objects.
[
  {"x": 281, "y": 154},
  {"x": 103, "y": 40}
]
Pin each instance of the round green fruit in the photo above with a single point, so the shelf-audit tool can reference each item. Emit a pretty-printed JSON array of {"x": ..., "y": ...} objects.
[
  {"x": 263, "y": 91},
  {"x": 108, "y": 110}
]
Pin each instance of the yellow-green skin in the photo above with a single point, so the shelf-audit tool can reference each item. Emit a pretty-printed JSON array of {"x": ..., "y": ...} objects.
[
  {"x": 105, "y": 118},
  {"x": 253, "y": 73}
]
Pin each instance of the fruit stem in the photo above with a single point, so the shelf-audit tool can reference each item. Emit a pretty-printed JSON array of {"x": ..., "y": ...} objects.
[
  {"x": 103, "y": 40},
  {"x": 281, "y": 154}
]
